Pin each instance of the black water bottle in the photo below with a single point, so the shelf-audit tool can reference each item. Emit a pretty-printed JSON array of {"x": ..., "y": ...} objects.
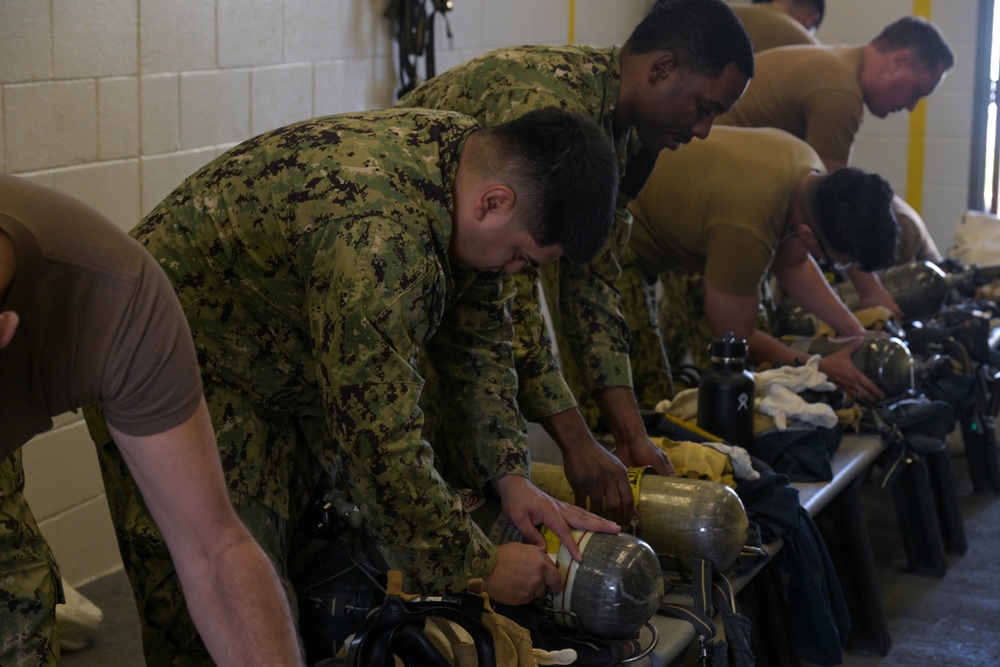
[{"x": 726, "y": 393}]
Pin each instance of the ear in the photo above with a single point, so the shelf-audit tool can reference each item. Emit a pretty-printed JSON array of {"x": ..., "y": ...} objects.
[
  {"x": 903, "y": 59},
  {"x": 8, "y": 326},
  {"x": 805, "y": 234},
  {"x": 495, "y": 200},
  {"x": 661, "y": 67}
]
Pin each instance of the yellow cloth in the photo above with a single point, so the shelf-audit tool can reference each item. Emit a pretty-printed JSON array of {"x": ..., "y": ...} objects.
[
  {"x": 696, "y": 461},
  {"x": 873, "y": 318}
]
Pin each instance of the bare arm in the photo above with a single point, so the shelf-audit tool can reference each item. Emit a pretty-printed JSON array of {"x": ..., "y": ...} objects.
[
  {"x": 634, "y": 448},
  {"x": 737, "y": 313},
  {"x": 230, "y": 586},
  {"x": 800, "y": 277},
  {"x": 594, "y": 474},
  {"x": 871, "y": 292}
]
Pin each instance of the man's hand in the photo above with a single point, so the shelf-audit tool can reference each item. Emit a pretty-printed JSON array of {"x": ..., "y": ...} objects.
[
  {"x": 871, "y": 292},
  {"x": 643, "y": 452},
  {"x": 599, "y": 478},
  {"x": 521, "y": 574},
  {"x": 840, "y": 369},
  {"x": 527, "y": 506}
]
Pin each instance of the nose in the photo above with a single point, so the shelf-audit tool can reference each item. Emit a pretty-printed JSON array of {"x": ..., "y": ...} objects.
[{"x": 703, "y": 127}]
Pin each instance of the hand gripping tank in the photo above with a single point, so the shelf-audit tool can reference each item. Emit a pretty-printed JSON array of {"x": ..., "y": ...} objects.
[
  {"x": 680, "y": 518},
  {"x": 611, "y": 593},
  {"x": 885, "y": 361}
]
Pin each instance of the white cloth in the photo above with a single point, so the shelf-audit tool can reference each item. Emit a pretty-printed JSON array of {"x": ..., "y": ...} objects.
[
  {"x": 977, "y": 239},
  {"x": 739, "y": 457},
  {"x": 795, "y": 378},
  {"x": 683, "y": 406},
  {"x": 566, "y": 656},
  {"x": 77, "y": 620},
  {"x": 782, "y": 404}
]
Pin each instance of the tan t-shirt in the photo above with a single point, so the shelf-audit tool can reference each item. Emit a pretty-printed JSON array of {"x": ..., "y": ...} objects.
[
  {"x": 811, "y": 92},
  {"x": 915, "y": 242},
  {"x": 99, "y": 321},
  {"x": 720, "y": 205},
  {"x": 769, "y": 28}
]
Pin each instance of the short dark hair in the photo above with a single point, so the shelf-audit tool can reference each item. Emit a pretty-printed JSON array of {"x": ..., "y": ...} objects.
[
  {"x": 705, "y": 35},
  {"x": 565, "y": 175},
  {"x": 925, "y": 38},
  {"x": 853, "y": 210},
  {"x": 818, "y": 6}
]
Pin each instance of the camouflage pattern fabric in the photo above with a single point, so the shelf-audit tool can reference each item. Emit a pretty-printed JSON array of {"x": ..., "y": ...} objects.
[
  {"x": 29, "y": 584},
  {"x": 683, "y": 324},
  {"x": 312, "y": 265},
  {"x": 650, "y": 365},
  {"x": 583, "y": 301}
]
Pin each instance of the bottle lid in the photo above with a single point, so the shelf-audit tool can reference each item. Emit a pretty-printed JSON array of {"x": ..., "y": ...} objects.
[{"x": 728, "y": 349}]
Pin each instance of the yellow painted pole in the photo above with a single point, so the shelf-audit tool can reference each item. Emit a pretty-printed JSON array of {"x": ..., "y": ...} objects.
[
  {"x": 917, "y": 144},
  {"x": 571, "y": 23}
]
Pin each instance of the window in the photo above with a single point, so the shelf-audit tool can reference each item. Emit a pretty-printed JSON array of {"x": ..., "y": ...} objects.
[{"x": 984, "y": 181}]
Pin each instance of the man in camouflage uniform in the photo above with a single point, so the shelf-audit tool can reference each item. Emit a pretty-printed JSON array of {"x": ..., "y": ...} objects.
[
  {"x": 685, "y": 63},
  {"x": 313, "y": 262}
]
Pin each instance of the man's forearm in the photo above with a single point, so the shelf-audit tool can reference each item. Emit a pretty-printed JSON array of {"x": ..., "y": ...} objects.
[
  {"x": 240, "y": 608},
  {"x": 621, "y": 413}
]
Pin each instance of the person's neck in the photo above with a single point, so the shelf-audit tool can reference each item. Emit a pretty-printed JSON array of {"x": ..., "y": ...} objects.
[{"x": 801, "y": 211}]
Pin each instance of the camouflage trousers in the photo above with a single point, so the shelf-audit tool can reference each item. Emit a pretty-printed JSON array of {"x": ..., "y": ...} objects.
[
  {"x": 648, "y": 356},
  {"x": 686, "y": 331},
  {"x": 29, "y": 579},
  {"x": 169, "y": 636}
]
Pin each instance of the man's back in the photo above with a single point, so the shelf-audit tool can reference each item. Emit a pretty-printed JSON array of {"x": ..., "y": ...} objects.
[
  {"x": 721, "y": 206},
  {"x": 811, "y": 92},
  {"x": 769, "y": 28}
]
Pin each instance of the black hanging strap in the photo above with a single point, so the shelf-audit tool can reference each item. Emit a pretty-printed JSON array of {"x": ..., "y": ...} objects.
[{"x": 413, "y": 21}]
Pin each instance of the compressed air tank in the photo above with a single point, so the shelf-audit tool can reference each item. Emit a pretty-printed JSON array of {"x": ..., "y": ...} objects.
[
  {"x": 611, "y": 593},
  {"x": 919, "y": 288},
  {"x": 680, "y": 518},
  {"x": 885, "y": 361}
]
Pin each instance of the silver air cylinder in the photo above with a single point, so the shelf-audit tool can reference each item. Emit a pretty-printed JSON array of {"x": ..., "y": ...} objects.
[
  {"x": 611, "y": 593},
  {"x": 680, "y": 518}
]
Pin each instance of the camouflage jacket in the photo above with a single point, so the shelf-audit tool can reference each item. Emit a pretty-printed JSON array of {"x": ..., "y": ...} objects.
[
  {"x": 505, "y": 84},
  {"x": 312, "y": 265}
]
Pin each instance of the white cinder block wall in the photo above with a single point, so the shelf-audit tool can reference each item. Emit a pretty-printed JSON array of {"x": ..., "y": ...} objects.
[{"x": 116, "y": 101}]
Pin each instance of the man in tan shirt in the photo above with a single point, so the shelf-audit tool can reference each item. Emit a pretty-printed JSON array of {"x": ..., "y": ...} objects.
[
  {"x": 781, "y": 22},
  {"x": 87, "y": 315},
  {"x": 736, "y": 205},
  {"x": 819, "y": 94}
]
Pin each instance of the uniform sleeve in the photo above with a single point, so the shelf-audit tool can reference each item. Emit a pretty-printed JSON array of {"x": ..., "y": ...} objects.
[
  {"x": 474, "y": 363},
  {"x": 374, "y": 299},
  {"x": 152, "y": 381},
  {"x": 590, "y": 309}
]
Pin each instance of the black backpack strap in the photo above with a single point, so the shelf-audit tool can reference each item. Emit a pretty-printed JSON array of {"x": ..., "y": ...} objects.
[{"x": 712, "y": 594}]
